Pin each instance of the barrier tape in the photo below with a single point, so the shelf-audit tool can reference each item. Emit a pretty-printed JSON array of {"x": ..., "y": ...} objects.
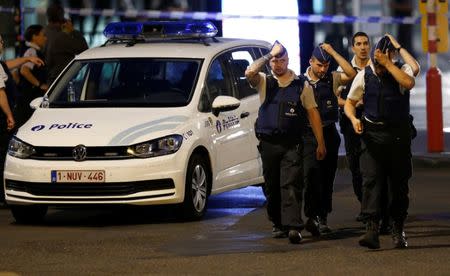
[{"x": 154, "y": 14}]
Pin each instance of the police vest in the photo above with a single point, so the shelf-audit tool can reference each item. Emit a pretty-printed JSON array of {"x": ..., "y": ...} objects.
[
  {"x": 10, "y": 88},
  {"x": 383, "y": 101},
  {"x": 281, "y": 113},
  {"x": 326, "y": 99}
]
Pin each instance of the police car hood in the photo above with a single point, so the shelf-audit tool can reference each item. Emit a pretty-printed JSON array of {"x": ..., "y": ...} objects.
[{"x": 100, "y": 127}]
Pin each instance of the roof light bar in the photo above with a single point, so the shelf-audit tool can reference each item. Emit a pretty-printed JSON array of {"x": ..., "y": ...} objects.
[{"x": 160, "y": 29}]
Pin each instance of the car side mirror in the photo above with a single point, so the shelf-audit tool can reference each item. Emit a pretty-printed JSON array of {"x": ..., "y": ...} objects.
[
  {"x": 36, "y": 103},
  {"x": 224, "y": 103}
]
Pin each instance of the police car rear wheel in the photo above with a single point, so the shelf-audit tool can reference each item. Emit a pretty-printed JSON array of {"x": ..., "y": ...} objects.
[
  {"x": 197, "y": 188},
  {"x": 29, "y": 214}
]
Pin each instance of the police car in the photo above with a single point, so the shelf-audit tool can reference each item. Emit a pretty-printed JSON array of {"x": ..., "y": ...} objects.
[{"x": 159, "y": 114}]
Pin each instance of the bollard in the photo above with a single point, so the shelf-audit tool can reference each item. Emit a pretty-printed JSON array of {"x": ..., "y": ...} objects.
[{"x": 434, "y": 111}]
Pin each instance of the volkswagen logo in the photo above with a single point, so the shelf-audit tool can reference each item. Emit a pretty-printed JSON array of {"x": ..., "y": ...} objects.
[{"x": 79, "y": 153}]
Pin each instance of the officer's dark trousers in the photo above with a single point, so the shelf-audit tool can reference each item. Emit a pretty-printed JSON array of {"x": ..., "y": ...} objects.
[
  {"x": 319, "y": 175},
  {"x": 282, "y": 167},
  {"x": 386, "y": 155},
  {"x": 352, "y": 143}
]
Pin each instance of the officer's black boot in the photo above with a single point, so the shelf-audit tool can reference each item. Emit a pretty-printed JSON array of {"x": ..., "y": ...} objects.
[
  {"x": 279, "y": 232},
  {"x": 312, "y": 226},
  {"x": 370, "y": 239},
  {"x": 323, "y": 225},
  {"x": 398, "y": 235},
  {"x": 386, "y": 226}
]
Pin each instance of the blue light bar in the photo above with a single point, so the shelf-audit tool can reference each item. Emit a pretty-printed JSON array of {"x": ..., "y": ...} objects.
[{"x": 160, "y": 29}]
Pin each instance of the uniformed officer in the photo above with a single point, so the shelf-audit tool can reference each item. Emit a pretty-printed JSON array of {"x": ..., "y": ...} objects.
[
  {"x": 8, "y": 94},
  {"x": 33, "y": 82},
  {"x": 386, "y": 138},
  {"x": 361, "y": 58},
  {"x": 319, "y": 174},
  {"x": 281, "y": 119}
]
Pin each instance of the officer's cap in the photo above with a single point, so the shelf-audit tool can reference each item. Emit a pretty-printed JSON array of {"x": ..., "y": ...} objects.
[
  {"x": 383, "y": 44},
  {"x": 320, "y": 54}
]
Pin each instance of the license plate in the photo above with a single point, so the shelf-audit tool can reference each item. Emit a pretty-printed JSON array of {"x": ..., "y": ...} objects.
[{"x": 78, "y": 176}]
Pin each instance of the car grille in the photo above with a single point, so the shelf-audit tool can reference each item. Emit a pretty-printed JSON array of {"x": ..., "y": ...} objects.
[
  {"x": 89, "y": 189},
  {"x": 92, "y": 153}
]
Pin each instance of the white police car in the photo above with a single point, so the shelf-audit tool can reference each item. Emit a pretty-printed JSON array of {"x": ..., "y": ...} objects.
[{"x": 141, "y": 120}]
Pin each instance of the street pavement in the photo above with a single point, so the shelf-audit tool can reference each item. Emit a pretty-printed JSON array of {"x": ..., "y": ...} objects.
[{"x": 233, "y": 239}]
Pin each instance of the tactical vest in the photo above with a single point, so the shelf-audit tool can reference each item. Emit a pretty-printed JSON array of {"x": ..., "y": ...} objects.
[
  {"x": 281, "y": 114},
  {"x": 10, "y": 88},
  {"x": 383, "y": 101},
  {"x": 326, "y": 100}
]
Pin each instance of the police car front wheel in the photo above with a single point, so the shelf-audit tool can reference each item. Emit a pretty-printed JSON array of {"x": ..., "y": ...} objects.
[{"x": 198, "y": 181}]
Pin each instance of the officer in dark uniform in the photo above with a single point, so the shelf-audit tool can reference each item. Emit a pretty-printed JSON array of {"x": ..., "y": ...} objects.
[
  {"x": 386, "y": 139},
  {"x": 286, "y": 100},
  {"x": 352, "y": 141},
  {"x": 33, "y": 81},
  {"x": 361, "y": 58},
  {"x": 319, "y": 174},
  {"x": 8, "y": 94}
]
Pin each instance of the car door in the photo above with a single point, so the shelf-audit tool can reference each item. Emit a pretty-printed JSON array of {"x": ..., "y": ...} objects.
[
  {"x": 239, "y": 60},
  {"x": 229, "y": 134}
]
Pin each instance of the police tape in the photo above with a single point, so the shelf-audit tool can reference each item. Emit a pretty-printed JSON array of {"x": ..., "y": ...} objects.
[{"x": 155, "y": 14}]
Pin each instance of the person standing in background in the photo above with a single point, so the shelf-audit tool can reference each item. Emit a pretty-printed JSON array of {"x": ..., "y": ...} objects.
[{"x": 63, "y": 41}]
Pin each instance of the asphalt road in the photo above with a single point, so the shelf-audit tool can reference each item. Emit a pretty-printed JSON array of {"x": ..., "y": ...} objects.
[{"x": 234, "y": 238}]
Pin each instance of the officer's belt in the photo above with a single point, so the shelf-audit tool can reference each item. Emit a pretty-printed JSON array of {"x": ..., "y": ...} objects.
[
  {"x": 382, "y": 124},
  {"x": 277, "y": 138}
]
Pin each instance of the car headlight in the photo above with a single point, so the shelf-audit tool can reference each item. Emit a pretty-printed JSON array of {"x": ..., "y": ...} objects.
[
  {"x": 158, "y": 147},
  {"x": 20, "y": 149}
]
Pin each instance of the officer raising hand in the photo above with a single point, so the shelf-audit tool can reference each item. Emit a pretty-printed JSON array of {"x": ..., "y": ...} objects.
[
  {"x": 319, "y": 174},
  {"x": 385, "y": 130},
  {"x": 287, "y": 101}
]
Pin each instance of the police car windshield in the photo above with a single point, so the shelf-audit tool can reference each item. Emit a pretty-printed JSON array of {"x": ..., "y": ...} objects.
[{"x": 126, "y": 82}]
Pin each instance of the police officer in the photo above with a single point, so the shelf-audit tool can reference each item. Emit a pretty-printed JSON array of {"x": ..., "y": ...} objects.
[
  {"x": 319, "y": 174},
  {"x": 386, "y": 138},
  {"x": 8, "y": 93},
  {"x": 361, "y": 58},
  {"x": 33, "y": 82},
  {"x": 286, "y": 100}
]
